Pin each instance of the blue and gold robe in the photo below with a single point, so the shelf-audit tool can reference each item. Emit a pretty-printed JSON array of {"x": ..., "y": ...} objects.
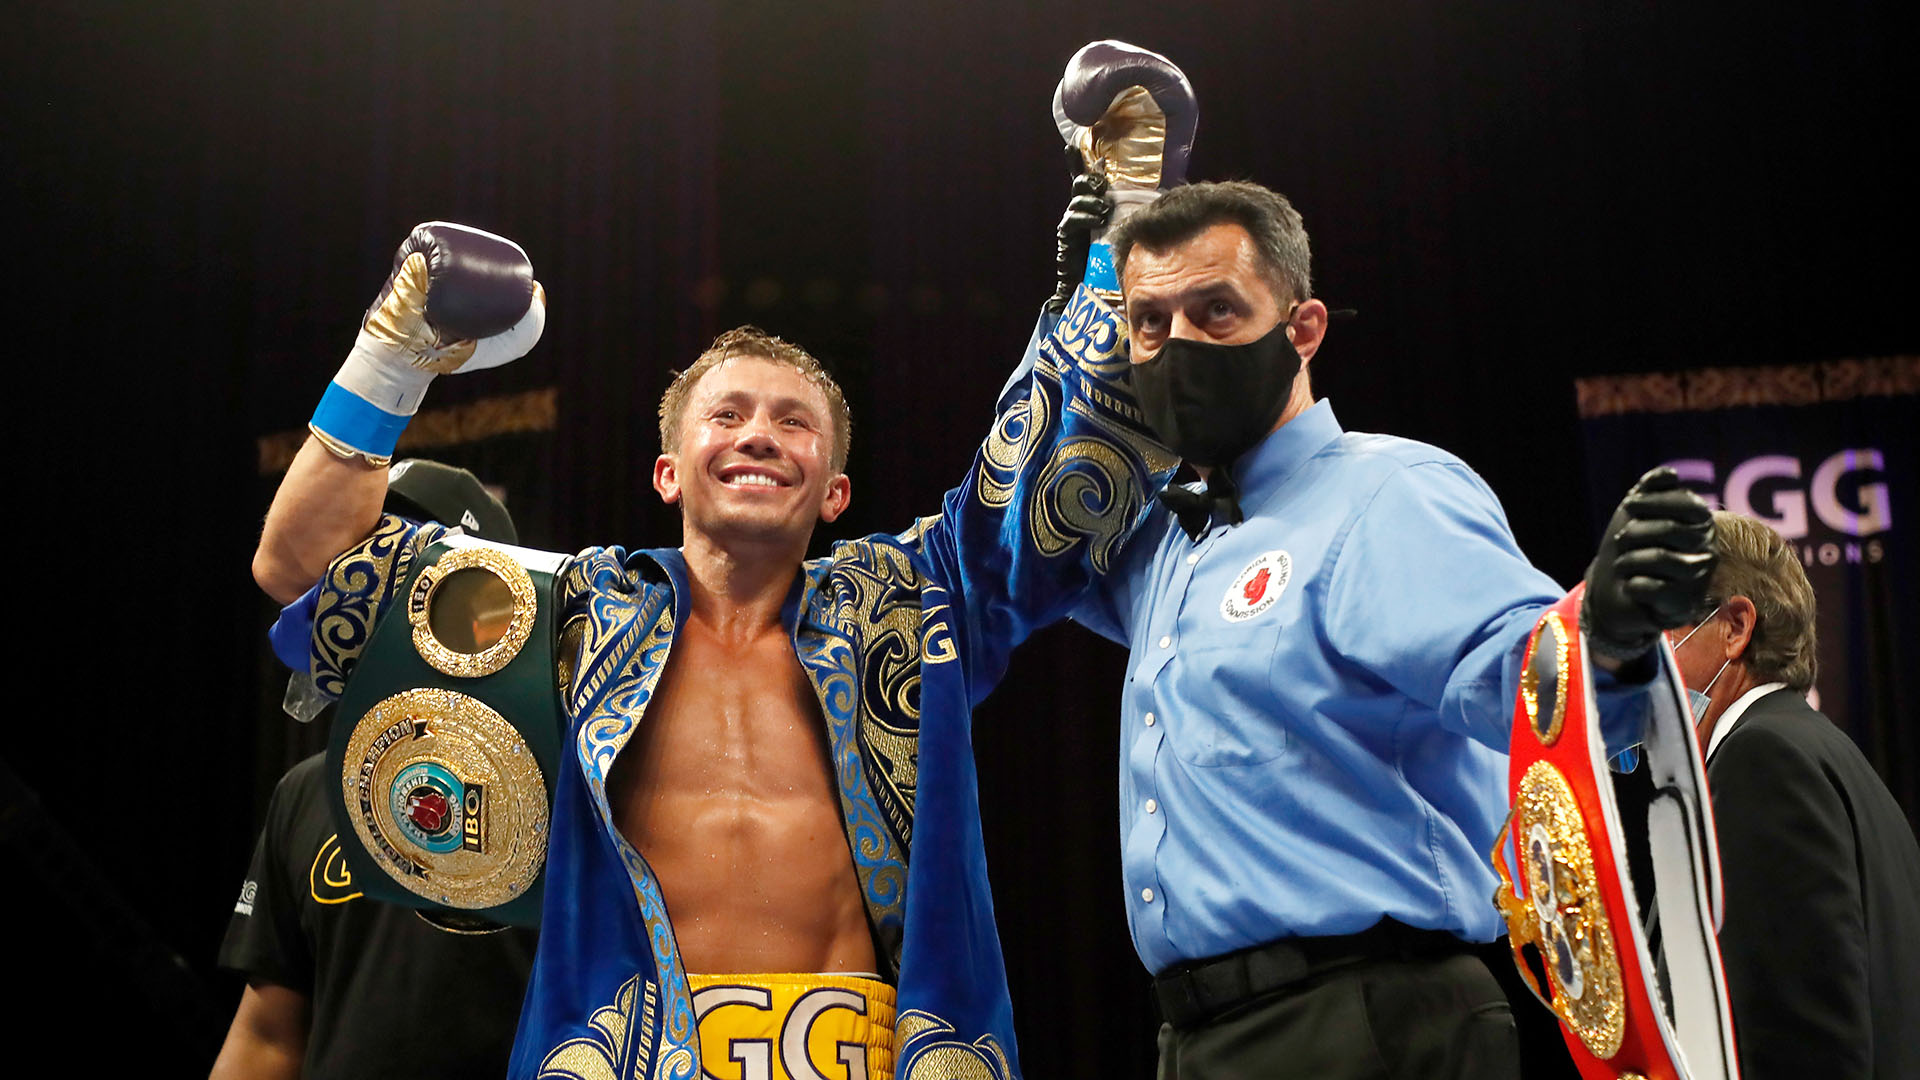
[{"x": 900, "y": 636}]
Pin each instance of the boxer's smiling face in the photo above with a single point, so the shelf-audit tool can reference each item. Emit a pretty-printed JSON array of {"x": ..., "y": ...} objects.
[{"x": 755, "y": 455}]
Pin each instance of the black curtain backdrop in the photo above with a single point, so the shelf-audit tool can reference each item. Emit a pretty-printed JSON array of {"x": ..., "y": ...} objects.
[{"x": 1511, "y": 193}]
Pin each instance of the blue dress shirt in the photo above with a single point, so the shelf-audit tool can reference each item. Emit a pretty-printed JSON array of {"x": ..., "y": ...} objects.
[{"x": 1318, "y": 701}]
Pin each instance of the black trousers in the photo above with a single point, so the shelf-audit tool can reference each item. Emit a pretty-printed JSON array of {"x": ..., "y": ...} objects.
[{"x": 1427, "y": 1018}]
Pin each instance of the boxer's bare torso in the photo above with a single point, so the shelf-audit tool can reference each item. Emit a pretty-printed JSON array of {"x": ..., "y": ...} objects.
[
  {"x": 726, "y": 789},
  {"x": 728, "y": 792}
]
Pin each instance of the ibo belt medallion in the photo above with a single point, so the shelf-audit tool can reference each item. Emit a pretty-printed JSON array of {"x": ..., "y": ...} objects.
[{"x": 446, "y": 795}]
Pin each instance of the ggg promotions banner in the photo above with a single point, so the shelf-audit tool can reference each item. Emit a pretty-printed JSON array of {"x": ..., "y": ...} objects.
[{"x": 1828, "y": 455}]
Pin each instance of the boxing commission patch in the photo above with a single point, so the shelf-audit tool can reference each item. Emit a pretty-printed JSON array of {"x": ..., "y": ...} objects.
[{"x": 1258, "y": 587}]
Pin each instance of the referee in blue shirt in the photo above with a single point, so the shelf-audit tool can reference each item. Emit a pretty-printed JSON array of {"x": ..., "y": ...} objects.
[{"x": 1325, "y": 641}]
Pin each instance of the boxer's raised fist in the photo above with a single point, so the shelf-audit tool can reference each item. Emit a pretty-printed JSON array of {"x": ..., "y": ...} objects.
[
  {"x": 458, "y": 299},
  {"x": 1130, "y": 112}
]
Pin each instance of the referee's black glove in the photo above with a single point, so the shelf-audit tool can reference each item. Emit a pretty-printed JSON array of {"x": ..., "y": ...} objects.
[
  {"x": 1088, "y": 210},
  {"x": 1652, "y": 570}
]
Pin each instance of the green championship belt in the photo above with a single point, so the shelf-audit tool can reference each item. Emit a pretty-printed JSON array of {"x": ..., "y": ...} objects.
[{"x": 448, "y": 735}]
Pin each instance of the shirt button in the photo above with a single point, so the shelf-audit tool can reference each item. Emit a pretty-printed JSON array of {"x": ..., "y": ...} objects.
[
  {"x": 1149, "y": 719},
  {"x": 1152, "y": 806},
  {"x": 1147, "y": 895},
  {"x": 1166, "y": 640},
  {"x": 1193, "y": 558}
]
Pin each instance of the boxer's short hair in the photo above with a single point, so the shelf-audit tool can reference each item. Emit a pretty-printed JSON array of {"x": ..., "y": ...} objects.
[
  {"x": 751, "y": 342},
  {"x": 1184, "y": 212},
  {"x": 1757, "y": 563}
]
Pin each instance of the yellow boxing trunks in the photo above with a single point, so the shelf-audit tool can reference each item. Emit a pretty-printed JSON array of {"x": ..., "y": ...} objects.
[{"x": 794, "y": 1027}]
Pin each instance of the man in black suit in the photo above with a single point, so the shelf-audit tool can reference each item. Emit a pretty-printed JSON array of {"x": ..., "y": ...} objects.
[{"x": 1821, "y": 937}]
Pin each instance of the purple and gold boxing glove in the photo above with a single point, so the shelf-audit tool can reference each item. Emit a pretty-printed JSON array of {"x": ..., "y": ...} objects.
[
  {"x": 1131, "y": 114},
  {"x": 458, "y": 299}
]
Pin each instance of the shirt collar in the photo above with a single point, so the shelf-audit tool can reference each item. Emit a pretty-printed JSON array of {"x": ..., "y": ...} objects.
[
  {"x": 1262, "y": 469},
  {"x": 1738, "y": 709}
]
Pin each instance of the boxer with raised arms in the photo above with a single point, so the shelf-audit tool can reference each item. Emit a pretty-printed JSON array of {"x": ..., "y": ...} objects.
[{"x": 755, "y": 742}]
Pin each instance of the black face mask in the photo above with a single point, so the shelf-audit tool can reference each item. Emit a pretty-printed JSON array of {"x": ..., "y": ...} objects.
[{"x": 1211, "y": 403}]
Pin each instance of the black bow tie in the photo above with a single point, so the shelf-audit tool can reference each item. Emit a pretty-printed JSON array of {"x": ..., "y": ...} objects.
[{"x": 1196, "y": 510}]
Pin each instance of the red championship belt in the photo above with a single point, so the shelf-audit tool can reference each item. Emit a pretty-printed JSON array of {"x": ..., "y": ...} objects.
[{"x": 1627, "y": 1010}]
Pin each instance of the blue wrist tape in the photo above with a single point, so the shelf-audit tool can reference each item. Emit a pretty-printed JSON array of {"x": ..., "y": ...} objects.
[
  {"x": 1100, "y": 273},
  {"x": 356, "y": 422}
]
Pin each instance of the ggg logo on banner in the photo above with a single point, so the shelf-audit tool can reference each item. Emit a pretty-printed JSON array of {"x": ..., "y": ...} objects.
[
  {"x": 1768, "y": 488},
  {"x": 1258, "y": 587}
]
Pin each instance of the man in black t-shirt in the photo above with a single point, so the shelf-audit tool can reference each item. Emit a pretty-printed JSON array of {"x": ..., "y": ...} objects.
[
  {"x": 342, "y": 986},
  {"x": 351, "y": 987}
]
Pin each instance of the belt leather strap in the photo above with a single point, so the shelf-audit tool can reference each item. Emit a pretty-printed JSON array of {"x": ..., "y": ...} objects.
[
  {"x": 1206, "y": 988},
  {"x": 445, "y": 755}
]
